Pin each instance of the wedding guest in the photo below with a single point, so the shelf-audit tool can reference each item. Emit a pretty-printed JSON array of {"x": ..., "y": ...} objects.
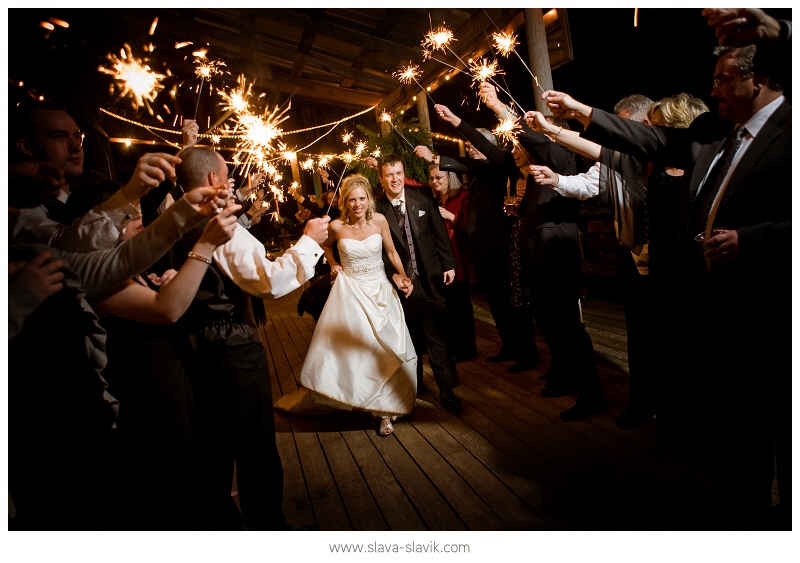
[
  {"x": 738, "y": 169},
  {"x": 62, "y": 437},
  {"x": 226, "y": 360},
  {"x": 489, "y": 234},
  {"x": 454, "y": 209},
  {"x": 47, "y": 133}
]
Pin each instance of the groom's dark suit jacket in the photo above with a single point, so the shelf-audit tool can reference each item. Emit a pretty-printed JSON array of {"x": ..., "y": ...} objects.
[{"x": 432, "y": 245}]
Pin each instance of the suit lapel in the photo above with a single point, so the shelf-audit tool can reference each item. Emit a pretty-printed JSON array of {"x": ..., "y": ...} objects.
[
  {"x": 768, "y": 133},
  {"x": 704, "y": 160},
  {"x": 412, "y": 215},
  {"x": 394, "y": 226}
]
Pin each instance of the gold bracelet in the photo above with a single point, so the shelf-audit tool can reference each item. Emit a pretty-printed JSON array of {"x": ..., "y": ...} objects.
[{"x": 198, "y": 257}]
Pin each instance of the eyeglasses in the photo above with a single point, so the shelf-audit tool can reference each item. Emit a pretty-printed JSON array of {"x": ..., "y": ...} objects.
[
  {"x": 64, "y": 137},
  {"x": 438, "y": 178},
  {"x": 724, "y": 79}
]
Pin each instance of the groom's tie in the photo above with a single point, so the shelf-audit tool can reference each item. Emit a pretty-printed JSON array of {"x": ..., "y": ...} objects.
[{"x": 398, "y": 211}]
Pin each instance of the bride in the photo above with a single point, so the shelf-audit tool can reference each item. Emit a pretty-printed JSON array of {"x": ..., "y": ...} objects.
[{"x": 361, "y": 355}]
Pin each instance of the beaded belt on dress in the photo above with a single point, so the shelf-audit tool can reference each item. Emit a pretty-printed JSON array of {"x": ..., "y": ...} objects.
[{"x": 364, "y": 269}]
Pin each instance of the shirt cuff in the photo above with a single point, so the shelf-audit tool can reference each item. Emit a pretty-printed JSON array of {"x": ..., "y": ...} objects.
[{"x": 119, "y": 209}]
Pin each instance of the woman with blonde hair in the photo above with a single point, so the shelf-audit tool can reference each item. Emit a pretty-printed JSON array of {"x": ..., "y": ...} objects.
[{"x": 361, "y": 355}]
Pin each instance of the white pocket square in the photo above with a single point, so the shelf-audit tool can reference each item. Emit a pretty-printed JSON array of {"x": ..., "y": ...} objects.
[{"x": 421, "y": 213}]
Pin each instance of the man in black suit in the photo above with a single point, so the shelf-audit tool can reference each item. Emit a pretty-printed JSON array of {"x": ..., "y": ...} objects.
[
  {"x": 550, "y": 250},
  {"x": 489, "y": 235},
  {"x": 420, "y": 237},
  {"x": 735, "y": 286}
]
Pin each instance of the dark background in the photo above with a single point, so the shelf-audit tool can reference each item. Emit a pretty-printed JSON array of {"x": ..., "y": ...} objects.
[{"x": 670, "y": 51}]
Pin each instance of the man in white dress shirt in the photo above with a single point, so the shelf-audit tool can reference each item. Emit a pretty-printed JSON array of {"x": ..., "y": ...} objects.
[{"x": 226, "y": 360}]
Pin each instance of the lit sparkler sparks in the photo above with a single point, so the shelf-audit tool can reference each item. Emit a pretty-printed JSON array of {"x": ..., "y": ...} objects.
[
  {"x": 347, "y": 157},
  {"x": 407, "y": 74},
  {"x": 504, "y": 42},
  {"x": 482, "y": 70},
  {"x": 136, "y": 80},
  {"x": 258, "y": 133},
  {"x": 308, "y": 164},
  {"x": 360, "y": 147},
  {"x": 376, "y": 153},
  {"x": 386, "y": 116},
  {"x": 206, "y": 69},
  {"x": 346, "y": 137},
  {"x": 508, "y": 129},
  {"x": 438, "y": 38}
]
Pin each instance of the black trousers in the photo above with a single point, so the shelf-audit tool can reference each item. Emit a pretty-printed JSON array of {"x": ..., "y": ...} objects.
[
  {"x": 645, "y": 347},
  {"x": 426, "y": 319},
  {"x": 556, "y": 310},
  {"x": 161, "y": 470},
  {"x": 233, "y": 402},
  {"x": 460, "y": 332}
]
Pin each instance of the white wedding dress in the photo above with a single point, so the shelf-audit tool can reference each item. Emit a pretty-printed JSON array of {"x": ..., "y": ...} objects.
[{"x": 361, "y": 355}]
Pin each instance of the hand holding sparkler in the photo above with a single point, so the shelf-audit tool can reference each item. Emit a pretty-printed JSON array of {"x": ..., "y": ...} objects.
[
  {"x": 446, "y": 115},
  {"x": 563, "y": 105},
  {"x": 537, "y": 122},
  {"x": 151, "y": 169},
  {"x": 189, "y": 133},
  {"x": 424, "y": 153},
  {"x": 543, "y": 176},
  {"x": 488, "y": 94},
  {"x": 209, "y": 200},
  {"x": 218, "y": 230},
  {"x": 317, "y": 229}
]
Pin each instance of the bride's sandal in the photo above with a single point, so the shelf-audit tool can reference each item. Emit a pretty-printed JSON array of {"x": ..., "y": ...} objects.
[{"x": 386, "y": 427}]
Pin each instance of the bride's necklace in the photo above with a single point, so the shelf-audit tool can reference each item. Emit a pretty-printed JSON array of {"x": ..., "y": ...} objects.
[{"x": 357, "y": 227}]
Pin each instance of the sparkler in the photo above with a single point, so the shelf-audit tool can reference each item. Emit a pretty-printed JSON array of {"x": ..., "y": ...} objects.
[
  {"x": 258, "y": 134},
  {"x": 439, "y": 38},
  {"x": 339, "y": 182},
  {"x": 135, "y": 78},
  {"x": 205, "y": 69},
  {"x": 508, "y": 129},
  {"x": 386, "y": 117},
  {"x": 409, "y": 73},
  {"x": 482, "y": 70},
  {"x": 505, "y": 43}
]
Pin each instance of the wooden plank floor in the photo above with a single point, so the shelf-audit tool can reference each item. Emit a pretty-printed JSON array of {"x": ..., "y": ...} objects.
[{"x": 506, "y": 462}]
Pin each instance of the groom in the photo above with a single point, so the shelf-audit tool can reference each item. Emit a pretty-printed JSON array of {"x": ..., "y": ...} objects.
[{"x": 420, "y": 237}]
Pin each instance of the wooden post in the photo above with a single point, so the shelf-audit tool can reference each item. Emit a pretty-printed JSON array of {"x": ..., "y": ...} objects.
[
  {"x": 296, "y": 172},
  {"x": 386, "y": 128},
  {"x": 422, "y": 111},
  {"x": 538, "y": 55}
]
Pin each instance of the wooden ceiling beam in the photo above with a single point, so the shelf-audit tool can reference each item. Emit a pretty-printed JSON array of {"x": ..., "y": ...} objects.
[
  {"x": 306, "y": 43},
  {"x": 171, "y": 25},
  {"x": 354, "y": 37}
]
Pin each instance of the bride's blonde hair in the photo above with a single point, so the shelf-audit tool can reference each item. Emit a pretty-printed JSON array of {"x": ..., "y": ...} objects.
[{"x": 348, "y": 185}]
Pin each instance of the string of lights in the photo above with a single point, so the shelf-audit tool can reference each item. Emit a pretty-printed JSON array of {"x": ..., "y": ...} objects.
[{"x": 230, "y": 135}]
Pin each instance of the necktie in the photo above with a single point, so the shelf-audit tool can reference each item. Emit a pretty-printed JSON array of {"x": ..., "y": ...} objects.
[
  {"x": 398, "y": 209},
  {"x": 702, "y": 206}
]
